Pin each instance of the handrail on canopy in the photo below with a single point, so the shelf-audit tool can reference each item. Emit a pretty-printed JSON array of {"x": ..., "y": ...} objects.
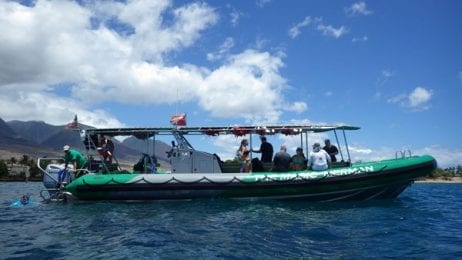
[{"x": 143, "y": 133}]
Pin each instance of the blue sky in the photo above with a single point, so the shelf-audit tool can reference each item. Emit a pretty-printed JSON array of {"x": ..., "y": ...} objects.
[{"x": 392, "y": 67}]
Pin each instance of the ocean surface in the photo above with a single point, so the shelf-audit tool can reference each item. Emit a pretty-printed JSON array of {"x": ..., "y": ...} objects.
[{"x": 423, "y": 222}]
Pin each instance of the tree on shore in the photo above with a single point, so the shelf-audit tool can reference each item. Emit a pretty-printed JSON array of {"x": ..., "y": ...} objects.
[
  {"x": 13, "y": 160},
  {"x": 447, "y": 173},
  {"x": 3, "y": 168},
  {"x": 25, "y": 160}
]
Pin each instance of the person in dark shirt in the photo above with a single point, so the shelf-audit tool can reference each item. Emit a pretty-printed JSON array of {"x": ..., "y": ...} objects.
[
  {"x": 331, "y": 150},
  {"x": 281, "y": 161},
  {"x": 266, "y": 150}
]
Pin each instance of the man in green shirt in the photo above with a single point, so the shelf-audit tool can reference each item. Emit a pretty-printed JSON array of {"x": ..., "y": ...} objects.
[{"x": 77, "y": 159}]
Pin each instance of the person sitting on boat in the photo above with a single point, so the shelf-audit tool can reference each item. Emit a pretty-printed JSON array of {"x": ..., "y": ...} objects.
[
  {"x": 106, "y": 148},
  {"x": 319, "y": 159},
  {"x": 266, "y": 150},
  {"x": 78, "y": 160},
  {"x": 281, "y": 161},
  {"x": 331, "y": 150},
  {"x": 257, "y": 165},
  {"x": 298, "y": 161}
]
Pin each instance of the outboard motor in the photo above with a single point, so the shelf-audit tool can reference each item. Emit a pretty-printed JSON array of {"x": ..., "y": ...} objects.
[{"x": 55, "y": 176}]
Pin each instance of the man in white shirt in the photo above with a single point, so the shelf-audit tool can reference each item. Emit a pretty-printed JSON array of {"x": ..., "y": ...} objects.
[{"x": 319, "y": 159}]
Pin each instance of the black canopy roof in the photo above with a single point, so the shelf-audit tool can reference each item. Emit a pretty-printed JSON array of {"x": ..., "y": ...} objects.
[{"x": 143, "y": 133}]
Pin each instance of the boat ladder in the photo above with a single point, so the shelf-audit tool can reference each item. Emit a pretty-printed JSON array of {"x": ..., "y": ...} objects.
[
  {"x": 403, "y": 154},
  {"x": 55, "y": 195}
]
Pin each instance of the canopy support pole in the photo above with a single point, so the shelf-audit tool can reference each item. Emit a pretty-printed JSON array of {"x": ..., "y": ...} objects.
[
  {"x": 306, "y": 144},
  {"x": 338, "y": 143},
  {"x": 153, "y": 143},
  {"x": 346, "y": 144}
]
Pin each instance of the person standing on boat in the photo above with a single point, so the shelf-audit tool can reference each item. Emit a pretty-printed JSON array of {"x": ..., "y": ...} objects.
[
  {"x": 281, "y": 161},
  {"x": 242, "y": 154},
  {"x": 105, "y": 148},
  {"x": 331, "y": 150},
  {"x": 242, "y": 149},
  {"x": 319, "y": 159},
  {"x": 77, "y": 159},
  {"x": 266, "y": 150},
  {"x": 246, "y": 164}
]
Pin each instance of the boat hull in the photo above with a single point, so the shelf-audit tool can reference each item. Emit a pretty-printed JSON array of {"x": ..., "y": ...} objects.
[{"x": 377, "y": 180}]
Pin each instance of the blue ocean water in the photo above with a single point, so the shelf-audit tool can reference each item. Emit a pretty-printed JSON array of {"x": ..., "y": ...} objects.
[{"x": 424, "y": 222}]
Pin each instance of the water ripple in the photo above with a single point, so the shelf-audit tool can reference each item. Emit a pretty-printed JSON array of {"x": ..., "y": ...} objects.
[{"x": 424, "y": 222}]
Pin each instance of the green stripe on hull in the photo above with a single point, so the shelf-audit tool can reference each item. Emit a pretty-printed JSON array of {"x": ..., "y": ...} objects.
[
  {"x": 267, "y": 184},
  {"x": 100, "y": 179},
  {"x": 327, "y": 184}
]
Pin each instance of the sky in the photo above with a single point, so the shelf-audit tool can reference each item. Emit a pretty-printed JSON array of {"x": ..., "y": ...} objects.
[{"x": 392, "y": 67}]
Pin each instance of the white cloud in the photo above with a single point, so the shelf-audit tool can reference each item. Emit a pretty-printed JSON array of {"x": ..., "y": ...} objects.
[
  {"x": 153, "y": 38},
  {"x": 417, "y": 100},
  {"x": 57, "y": 43},
  {"x": 262, "y": 3},
  {"x": 331, "y": 31},
  {"x": 384, "y": 77},
  {"x": 358, "y": 8},
  {"x": 57, "y": 110},
  {"x": 235, "y": 17},
  {"x": 445, "y": 157},
  {"x": 260, "y": 43},
  {"x": 297, "y": 107},
  {"x": 360, "y": 39},
  {"x": 231, "y": 90},
  {"x": 419, "y": 97},
  {"x": 222, "y": 51},
  {"x": 294, "y": 31},
  {"x": 327, "y": 30}
]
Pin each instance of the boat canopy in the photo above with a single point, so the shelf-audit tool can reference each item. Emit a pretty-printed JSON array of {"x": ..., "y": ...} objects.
[{"x": 144, "y": 133}]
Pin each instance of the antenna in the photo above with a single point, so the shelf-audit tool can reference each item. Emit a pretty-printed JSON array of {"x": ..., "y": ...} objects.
[{"x": 177, "y": 100}]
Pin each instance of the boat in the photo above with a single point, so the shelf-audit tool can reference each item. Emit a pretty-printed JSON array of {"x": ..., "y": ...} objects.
[{"x": 195, "y": 174}]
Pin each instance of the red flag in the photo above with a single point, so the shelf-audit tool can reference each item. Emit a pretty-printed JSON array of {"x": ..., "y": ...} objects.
[
  {"x": 178, "y": 119},
  {"x": 73, "y": 124}
]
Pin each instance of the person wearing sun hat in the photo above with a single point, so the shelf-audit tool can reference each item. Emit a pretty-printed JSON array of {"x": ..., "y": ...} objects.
[
  {"x": 77, "y": 159},
  {"x": 319, "y": 159}
]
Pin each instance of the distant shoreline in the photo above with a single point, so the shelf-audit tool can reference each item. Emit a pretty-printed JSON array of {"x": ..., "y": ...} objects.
[
  {"x": 20, "y": 179},
  {"x": 440, "y": 180}
]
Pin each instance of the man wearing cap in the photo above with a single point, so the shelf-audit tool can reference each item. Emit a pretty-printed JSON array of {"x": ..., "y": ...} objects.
[
  {"x": 319, "y": 159},
  {"x": 77, "y": 159}
]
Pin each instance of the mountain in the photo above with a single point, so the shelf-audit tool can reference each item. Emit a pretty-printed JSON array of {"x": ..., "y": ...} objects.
[
  {"x": 9, "y": 136},
  {"x": 13, "y": 144},
  {"x": 5, "y": 129},
  {"x": 63, "y": 137},
  {"x": 36, "y": 131}
]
